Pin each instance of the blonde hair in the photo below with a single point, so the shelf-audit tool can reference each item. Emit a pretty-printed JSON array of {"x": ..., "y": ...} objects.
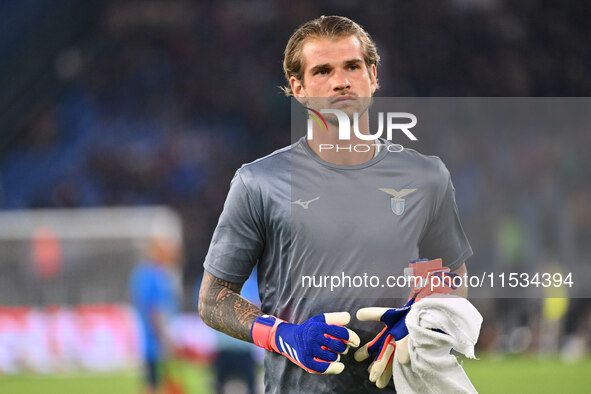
[{"x": 324, "y": 27}]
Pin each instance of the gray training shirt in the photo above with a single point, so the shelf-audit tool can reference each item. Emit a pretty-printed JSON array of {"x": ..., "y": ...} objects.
[{"x": 316, "y": 229}]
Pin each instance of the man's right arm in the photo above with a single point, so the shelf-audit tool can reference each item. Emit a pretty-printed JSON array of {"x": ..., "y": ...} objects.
[{"x": 222, "y": 308}]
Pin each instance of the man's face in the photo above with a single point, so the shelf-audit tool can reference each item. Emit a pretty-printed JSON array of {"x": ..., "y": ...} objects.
[{"x": 335, "y": 75}]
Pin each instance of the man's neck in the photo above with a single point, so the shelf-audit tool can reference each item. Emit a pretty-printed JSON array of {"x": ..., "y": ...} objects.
[
  {"x": 343, "y": 153},
  {"x": 328, "y": 147}
]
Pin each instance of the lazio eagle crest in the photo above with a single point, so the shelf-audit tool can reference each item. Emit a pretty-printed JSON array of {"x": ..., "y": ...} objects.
[{"x": 397, "y": 200}]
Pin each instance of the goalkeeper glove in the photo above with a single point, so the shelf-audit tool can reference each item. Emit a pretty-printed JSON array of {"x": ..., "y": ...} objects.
[
  {"x": 315, "y": 345},
  {"x": 395, "y": 334},
  {"x": 384, "y": 344}
]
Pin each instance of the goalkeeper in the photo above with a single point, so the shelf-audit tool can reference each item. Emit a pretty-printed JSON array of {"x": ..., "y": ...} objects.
[{"x": 301, "y": 209}]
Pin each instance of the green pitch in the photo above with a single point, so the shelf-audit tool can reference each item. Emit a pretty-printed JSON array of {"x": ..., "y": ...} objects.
[
  {"x": 70, "y": 384},
  {"x": 519, "y": 374},
  {"x": 194, "y": 378},
  {"x": 523, "y": 374}
]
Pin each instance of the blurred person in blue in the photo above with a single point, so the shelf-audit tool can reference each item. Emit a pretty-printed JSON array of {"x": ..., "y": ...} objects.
[
  {"x": 235, "y": 364},
  {"x": 154, "y": 292}
]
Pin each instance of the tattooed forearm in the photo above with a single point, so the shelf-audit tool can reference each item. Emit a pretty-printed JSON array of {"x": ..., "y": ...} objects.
[{"x": 222, "y": 308}]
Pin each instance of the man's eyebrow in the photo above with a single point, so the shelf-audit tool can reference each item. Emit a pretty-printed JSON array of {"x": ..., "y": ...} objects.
[
  {"x": 353, "y": 61},
  {"x": 319, "y": 67},
  {"x": 326, "y": 65}
]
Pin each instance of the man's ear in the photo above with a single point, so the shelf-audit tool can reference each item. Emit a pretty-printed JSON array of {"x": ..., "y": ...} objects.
[
  {"x": 373, "y": 76},
  {"x": 298, "y": 90}
]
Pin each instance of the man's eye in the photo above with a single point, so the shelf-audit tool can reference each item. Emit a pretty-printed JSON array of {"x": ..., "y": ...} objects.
[
  {"x": 321, "y": 72},
  {"x": 353, "y": 67}
]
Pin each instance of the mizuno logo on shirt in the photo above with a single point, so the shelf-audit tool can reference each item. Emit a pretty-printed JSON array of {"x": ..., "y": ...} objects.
[{"x": 304, "y": 204}]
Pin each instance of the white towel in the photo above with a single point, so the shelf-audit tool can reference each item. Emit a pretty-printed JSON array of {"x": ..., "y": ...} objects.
[{"x": 432, "y": 369}]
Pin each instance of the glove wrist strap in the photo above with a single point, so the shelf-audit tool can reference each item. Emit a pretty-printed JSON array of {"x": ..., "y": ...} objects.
[{"x": 263, "y": 331}]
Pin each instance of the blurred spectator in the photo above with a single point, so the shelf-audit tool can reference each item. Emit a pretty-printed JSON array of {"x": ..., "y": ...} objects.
[{"x": 155, "y": 291}]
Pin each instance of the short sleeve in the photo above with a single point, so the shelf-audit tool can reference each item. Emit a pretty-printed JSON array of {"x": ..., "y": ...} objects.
[
  {"x": 238, "y": 239},
  {"x": 444, "y": 237}
]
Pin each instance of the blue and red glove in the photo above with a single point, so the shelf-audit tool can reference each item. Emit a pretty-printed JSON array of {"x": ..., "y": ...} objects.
[
  {"x": 395, "y": 334},
  {"x": 384, "y": 344},
  {"x": 315, "y": 345}
]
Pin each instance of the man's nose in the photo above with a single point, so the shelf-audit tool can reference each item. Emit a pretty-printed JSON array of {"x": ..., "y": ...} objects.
[{"x": 340, "y": 81}]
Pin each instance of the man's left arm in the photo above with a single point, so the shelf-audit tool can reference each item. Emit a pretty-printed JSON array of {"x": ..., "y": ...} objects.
[{"x": 445, "y": 237}]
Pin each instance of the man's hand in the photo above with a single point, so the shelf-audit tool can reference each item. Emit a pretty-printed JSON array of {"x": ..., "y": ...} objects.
[
  {"x": 384, "y": 344},
  {"x": 395, "y": 334},
  {"x": 315, "y": 345}
]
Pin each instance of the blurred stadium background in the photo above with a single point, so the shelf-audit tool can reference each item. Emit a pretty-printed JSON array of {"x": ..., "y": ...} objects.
[{"x": 118, "y": 117}]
